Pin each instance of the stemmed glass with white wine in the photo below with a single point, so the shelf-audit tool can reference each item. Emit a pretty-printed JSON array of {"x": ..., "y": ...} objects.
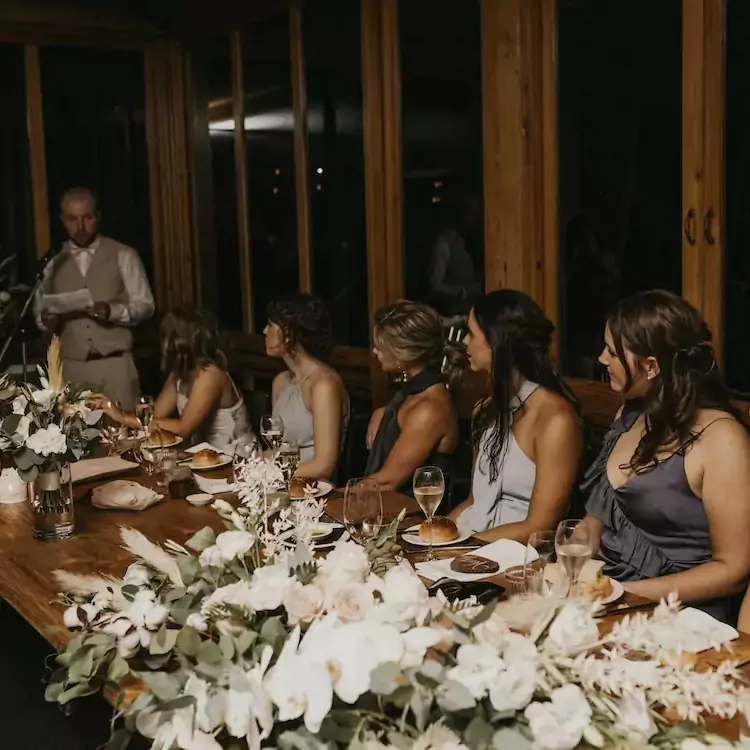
[
  {"x": 244, "y": 451},
  {"x": 272, "y": 431},
  {"x": 111, "y": 432},
  {"x": 288, "y": 458},
  {"x": 144, "y": 412},
  {"x": 574, "y": 548},
  {"x": 429, "y": 487},
  {"x": 363, "y": 509}
]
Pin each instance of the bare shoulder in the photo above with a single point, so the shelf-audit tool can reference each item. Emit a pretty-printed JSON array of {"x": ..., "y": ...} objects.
[
  {"x": 552, "y": 408},
  {"x": 423, "y": 415},
  {"x": 281, "y": 379},
  {"x": 210, "y": 374},
  {"x": 326, "y": 383},
  {"x": 719, "y": 430}
]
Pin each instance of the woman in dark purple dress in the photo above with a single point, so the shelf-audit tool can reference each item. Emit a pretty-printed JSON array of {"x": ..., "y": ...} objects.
[{"x": 669, "y": 494}]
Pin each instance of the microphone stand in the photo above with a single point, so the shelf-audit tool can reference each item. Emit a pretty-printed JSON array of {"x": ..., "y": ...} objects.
[{"x": 20, "y": 325}]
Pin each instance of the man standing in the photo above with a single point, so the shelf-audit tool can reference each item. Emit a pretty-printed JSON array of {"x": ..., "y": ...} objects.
[{"x": 96, "y": 341}]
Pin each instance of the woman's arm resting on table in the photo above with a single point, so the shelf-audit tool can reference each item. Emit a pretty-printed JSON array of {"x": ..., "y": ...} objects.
[
  {"x": 203, "y": 402},
  {"x": 327, "y": 410},
  {"x": 558, "y": 458},
  {"x": 726, "y": 498},
  {"x": 422, "y": 430}
]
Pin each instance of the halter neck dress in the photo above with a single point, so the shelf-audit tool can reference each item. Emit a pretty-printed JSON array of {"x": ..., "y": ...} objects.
[
  {"x": 507, "y": 498},
  {"x": 389, "y": 431},
  {"x": 654, "y": 525}
]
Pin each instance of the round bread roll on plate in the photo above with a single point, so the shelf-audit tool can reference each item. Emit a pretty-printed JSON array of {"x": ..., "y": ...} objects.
[{"x": 444, "y": 532}]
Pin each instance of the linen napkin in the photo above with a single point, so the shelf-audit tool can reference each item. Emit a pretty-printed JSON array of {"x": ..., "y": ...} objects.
[
  {"x": 214, "y": 486},
  {"x": 122, "y": 494},
  {"x": 700, "y": 631},
  {"x": 505, "y": 552},
  {"x": 90, "y": 468}
]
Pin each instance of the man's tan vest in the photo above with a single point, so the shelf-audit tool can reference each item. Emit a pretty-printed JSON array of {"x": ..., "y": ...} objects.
[{"x": 82, "y": 336}]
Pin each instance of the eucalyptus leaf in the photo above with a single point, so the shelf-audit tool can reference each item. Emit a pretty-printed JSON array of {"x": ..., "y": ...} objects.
[
  {"x": 453, "y": 696},
  {"x": 184, "y": 701},
  {"x": 486, "y": 612},
  {"x": 118, "y": 669},
  {"x": 10, "y": 424},
  {"x": 245, "y": 640},
  {"x": 209, "y": 652},
  {"x": 163, "y": 642},
  {"x": 226, "y": 644},
  {"x": 300, "y": 739},
  {"x": 510, "y": 739},
  {"x": 79, "y": 690},
  {"x": 157, "y": 662},
  {"x": 188, "y": 641},
  {"x": 25, "y": 459},
  {"x": 383, "y": 678},
  {"x": 202, "y": 539},
  {"x": 478, "y": 734},
  {"x": 164, "y": 686}
]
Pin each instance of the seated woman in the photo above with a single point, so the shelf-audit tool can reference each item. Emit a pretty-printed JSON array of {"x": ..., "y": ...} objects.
[
  {"x": 669, "y": 494},
  {"x": 420, "y": 425},
  {"x": 199, "y": 399},
  {"x": 527, "y": 435},
  {"x": 309, "y": 396}
]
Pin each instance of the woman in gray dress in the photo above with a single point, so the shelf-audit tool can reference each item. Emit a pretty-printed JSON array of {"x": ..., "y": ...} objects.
[{"x": 669, "y": 495}]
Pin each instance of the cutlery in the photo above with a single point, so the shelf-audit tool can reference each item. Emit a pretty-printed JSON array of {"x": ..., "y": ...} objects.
[{"x": 623, "y": 608}]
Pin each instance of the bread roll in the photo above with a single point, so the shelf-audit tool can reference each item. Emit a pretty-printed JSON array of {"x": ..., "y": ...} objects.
[
  {"x": 159, "y": 437},
  {"x": 443, "y": 530},
  {"x": 592, "y": 583},
  {"x": 206, "y": 458},
  {"x": 297, "y": 487}
]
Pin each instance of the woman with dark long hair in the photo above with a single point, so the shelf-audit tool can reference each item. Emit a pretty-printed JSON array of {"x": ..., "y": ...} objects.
[
  {"x": 669, "y": 494},
  {"x": 309, "y": 395},
  {"x": 527, "y": 434},
  {"x": 199, "y": 398}
]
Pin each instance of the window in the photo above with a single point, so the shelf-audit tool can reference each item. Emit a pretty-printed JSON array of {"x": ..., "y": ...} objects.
[
  {"x": 332, "y": 50},
  {"x": 16, "y": 223},
  {"x": 215, "y": 91},
  {"x": 95, "y": 136},
  {"x": 269, "y": 149},
  {"x": 442, "y": 152},
  {"x": 620, "y": 126}
]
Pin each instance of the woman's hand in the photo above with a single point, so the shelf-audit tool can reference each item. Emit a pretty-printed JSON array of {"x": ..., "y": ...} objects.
[{"x": 101, "y": 402}]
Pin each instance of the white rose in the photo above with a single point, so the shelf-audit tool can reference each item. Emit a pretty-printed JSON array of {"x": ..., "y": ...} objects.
[
  {"x": 572, "y": 630},
  {"x": 269, "y": 586},
  {"x": 635, "y": 715},
  {"x": 79, "y": 615},
  {"x": 405, "y": 598},
  {"x": 559, "y": 723},
  {"x": 351, "y": 602},
  {"x": 477, "y": 668},
  {"x": 438, "y": 737},
  {"x": 233, "y": 544},
  {"x": 197, "y": 621},
  {"x": 48, "y": 441},
  {"x": 211, "y": 557},
  {"x": 346, "y": 561},
  {"x": 136, "y": 575},
  {"x": 237, "y": 594},
  {"x": 517, "y": 649},
  {"x": 19, "y": 404},
  {"x": 303, "y": 603},
  {"x": 418, "y": 640},
  {"x": 514, "y": 687},
  {"x": 492, "y": 632},
  {"x": 44, "y": 397}
]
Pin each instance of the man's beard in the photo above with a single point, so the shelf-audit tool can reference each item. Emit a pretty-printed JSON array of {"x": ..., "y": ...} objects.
[{"x": 84, "y": 240}]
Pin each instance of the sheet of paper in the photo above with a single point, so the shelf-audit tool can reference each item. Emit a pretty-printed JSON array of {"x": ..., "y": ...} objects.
[
  {"x": 89, "y": 468},
  {"x": 59, "y": 304}
]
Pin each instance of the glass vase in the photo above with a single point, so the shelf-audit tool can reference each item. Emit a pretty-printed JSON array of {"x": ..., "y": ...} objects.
[{"x": 51, "y": 498}]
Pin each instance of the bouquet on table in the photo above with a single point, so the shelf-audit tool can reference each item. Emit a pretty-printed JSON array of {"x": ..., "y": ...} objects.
[
  {"x": 44, "y": 428},
  {"x": 250, "y": 639}
]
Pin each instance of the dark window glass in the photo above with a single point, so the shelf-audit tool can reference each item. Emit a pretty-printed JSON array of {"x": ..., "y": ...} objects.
[
  {"x": 737, "y": 197},
  {"x": 16, "y": 221},
  {"x": 269, "y": 143},
  {"x": 95, "y": 136},
  {"x": 442, "y": 151},
  {"x": 332, "y": 45},
  {"x": 215, "y": 87},
  {"x": 620, "y": 120}
]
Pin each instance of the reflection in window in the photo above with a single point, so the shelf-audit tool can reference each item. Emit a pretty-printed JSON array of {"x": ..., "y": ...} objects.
[
  {"x": 95, "y": 136},
  {"x": 620, "y": 125},
  {"x": 332, "y": 48},
  {"x": 16, "y": 223},
  {"x": 737, "y": 200},
  {"x": 214, "y": 61},
  {"x": 269, "y": 144},
  {"x": 442, "y": 152}
]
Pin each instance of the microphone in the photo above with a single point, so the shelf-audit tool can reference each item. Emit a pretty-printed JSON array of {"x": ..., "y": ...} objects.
[{"x": 49, "y": 255}]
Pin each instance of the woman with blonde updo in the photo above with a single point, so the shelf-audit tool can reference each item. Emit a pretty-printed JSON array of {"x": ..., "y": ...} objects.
[{"x": 420, "y": 424}]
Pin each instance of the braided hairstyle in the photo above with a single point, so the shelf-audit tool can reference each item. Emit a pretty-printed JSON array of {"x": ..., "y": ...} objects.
[{"x": 305, "y": 321}]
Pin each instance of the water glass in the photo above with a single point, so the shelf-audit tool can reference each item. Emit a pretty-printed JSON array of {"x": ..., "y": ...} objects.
[
  {"x": 167, "y": 467},
  {"x": 272, "y": 431},
  {"x": 429, "y": 487},
  {"x": 574, "y": 547},
  {"x": 244, "y": 450},
  {"x": 148, "y": 458},
  {"x": 539, "y": 550},
  {"x": 363, "y": 509},
  {"x": 111, "y": 433},
  {"x": 515, "y": 581}
]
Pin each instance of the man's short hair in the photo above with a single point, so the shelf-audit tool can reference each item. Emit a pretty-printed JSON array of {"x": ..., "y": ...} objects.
[{"x": 78, "y": 193}]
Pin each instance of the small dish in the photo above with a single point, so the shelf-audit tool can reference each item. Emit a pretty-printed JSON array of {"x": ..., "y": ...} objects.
[{"x": 199, "y": 499}]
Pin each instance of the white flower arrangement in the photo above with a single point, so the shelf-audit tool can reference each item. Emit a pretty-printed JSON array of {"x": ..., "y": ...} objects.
[{"x": 239, "y": 647}]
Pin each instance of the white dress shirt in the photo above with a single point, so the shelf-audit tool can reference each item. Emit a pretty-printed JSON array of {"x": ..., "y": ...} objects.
[{"x": 140, "y": 304}]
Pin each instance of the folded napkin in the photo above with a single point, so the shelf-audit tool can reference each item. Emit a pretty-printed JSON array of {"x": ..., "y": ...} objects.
[
  {"x": 700, "y": 631},
  {"x": 214, "y": 486},
  {"x": 90, "y": 468},
  {"x": 203, "y": 446},
  {"x": 505, "y": 552},
  {"x": 122, "y": 494}
]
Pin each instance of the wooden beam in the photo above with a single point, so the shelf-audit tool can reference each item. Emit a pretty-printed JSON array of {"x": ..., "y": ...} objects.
[
  {"x": 301, "y": 160},
  {"x": 37, "y": 150},
  {"x": 243, "y": 218}
]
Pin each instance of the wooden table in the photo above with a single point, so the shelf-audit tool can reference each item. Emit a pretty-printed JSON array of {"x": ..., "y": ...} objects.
[{"x": 28, "y": 586}]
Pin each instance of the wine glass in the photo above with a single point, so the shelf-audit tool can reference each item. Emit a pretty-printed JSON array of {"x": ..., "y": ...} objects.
[
  {"x": 288, "y": 459},
  {"x": 272, "y": 431},
  {"x": 429, "y": 488},
  {"x": 144, "y": 411},
  {"x": 148, "y": 457},
  {"x": 539, "y": 550},
  {"x": 111, "y": 432},
  {"x": 574, "y": 547},
  {"x": 363, "y": 509},
  {"x": 244, "y": 450}
]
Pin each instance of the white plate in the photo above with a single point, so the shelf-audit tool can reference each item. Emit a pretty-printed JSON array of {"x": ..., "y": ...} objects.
[
  {"x": 175, "y": 441},
  {"x": 321, "y": 490},
  {"x": 617, "y": 592},
  {"x": 414, "y": 538},
  {"x": 224, "y": 460}
]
